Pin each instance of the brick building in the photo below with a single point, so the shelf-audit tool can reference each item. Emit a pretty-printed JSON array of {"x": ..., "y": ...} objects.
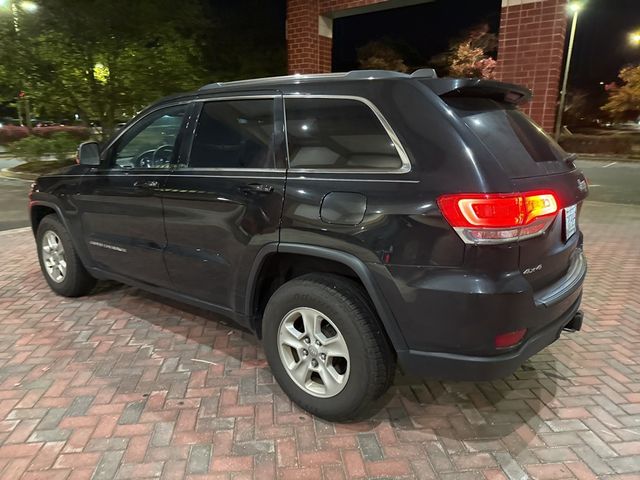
[{"x": 530, "y": 51}]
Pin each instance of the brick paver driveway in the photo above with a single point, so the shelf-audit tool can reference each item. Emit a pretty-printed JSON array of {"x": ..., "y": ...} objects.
[{"x": 123, "y": 384}]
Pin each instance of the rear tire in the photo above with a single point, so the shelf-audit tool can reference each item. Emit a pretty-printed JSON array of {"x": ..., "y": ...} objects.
[
  {"x": 60, "y": 265},
  {"x": 326, "y": 346}
]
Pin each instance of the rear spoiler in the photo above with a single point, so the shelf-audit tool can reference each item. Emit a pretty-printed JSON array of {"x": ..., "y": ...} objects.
[{"x": 478, "y": 87}]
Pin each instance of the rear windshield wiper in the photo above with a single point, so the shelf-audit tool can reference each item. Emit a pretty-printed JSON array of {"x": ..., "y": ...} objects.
[{"x": 569, "y": 159}]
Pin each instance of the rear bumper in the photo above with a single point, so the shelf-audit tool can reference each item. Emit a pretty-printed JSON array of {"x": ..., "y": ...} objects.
[
  {"x": 467, "y": 367},
  {"x": 450, "y": 319}
]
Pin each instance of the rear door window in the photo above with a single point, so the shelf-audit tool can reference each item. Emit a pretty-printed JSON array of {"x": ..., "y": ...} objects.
[
  {"x": 234, "y": 134},
  {"x": 520, "y": 146},
  {"x": 338, "y": 134}
]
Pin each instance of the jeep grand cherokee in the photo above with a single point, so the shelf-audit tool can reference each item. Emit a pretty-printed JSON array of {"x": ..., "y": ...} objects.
[{"x": 352, "y": 221}]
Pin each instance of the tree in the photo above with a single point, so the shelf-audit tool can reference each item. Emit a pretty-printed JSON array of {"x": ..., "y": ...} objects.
[
  {"x": 106, "y": 60},
  {"x": 15, "y": 62},
  {"x": 381, "y": 55},
  {"x": 624, "y": 100},
  {"x": 576, "y": 107},
  {"x": 470, "y": 55},
  {"x": 248, "y": 43}
]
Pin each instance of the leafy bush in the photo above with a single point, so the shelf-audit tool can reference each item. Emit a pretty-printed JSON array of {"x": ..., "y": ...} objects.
[
  {"x": 30, "y": 148},
  {"x": 79, "y": 133},
  {"x": 10, "y": 133},
  {"x": 34, "y": 147},
  {"x": 41, "y": 168},
  {"x": 63, "y": 144},
  {"x": 605, "y": 144}
]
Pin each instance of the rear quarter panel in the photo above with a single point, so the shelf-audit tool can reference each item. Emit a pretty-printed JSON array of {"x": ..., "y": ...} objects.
[{"x": 402, "y": 224}]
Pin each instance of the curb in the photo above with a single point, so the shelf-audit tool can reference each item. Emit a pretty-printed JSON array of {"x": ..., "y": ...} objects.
[
  {"x": 6, "y": 173},
  {"x": 604, "y": 157}
]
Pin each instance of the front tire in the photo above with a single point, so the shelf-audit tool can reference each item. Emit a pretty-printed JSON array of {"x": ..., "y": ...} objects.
[
  {"x": 60, "y": 265},
  {"x": 326, "y": 346}
]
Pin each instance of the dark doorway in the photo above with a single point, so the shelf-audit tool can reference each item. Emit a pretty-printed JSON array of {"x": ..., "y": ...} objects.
[{"x": 418, "y": 32}]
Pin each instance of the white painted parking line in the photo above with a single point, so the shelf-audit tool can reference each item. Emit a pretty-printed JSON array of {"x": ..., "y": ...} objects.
[{"x": 609, "y": 164}]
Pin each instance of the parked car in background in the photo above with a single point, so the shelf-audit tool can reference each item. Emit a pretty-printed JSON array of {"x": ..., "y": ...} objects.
[
  {"x": 7, "y": 121},
  {"x": 352, "y": 221}
]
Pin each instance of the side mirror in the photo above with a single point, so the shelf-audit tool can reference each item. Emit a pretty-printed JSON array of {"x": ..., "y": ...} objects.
[{"x": 89, "y": 154}]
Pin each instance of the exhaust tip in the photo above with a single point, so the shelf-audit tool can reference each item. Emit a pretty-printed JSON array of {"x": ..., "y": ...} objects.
[{"x": 575, "y": 324}]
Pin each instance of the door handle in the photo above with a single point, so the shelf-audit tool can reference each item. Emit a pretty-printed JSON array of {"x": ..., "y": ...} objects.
[
  {"x": 146, "y": 184},
  {"x": 257, "y": 188}
]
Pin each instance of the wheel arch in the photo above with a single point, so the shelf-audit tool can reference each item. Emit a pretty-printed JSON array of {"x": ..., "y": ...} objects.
[
  {"x": 38, "y": 209},
  {"x": 347, "y": 264}
]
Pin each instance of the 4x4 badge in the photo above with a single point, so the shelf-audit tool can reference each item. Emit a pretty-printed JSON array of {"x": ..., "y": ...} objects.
[{"x": 531, "y": 270}]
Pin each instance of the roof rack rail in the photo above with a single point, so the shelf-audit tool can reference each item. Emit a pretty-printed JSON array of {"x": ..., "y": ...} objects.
[
  {"x": 259, "y": 81},
  {"x": 354, "y": 75},
  {"x": 374, "y": 74}
]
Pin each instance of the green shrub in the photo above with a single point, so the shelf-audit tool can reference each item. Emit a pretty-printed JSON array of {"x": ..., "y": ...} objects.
[
  {"x": 63, "y": 145},
  {"x": 60, "y": 145},
  {"x": 10, "y": 133},
  {"x": 79, "y": 133}
]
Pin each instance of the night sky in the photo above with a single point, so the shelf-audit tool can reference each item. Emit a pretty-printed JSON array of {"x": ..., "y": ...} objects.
[{"x": 601, "y": 47}]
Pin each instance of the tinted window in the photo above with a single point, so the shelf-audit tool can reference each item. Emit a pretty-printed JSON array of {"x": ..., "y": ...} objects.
[
  {"x": 150, "y": 142},
  {"x": 337, "y": 133},
  {"x": 513, "y": 138},
  {"x": 234, "y": 134}
]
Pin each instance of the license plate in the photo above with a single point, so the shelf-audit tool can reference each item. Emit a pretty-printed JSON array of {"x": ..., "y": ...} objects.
[{"x": 570, "y": 221}]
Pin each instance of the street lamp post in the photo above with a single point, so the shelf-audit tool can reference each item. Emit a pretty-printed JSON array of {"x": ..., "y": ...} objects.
[{"x": 574, "y": 8}]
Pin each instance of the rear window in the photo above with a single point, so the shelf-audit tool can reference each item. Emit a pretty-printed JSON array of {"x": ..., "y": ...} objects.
[
  {"x": 332, "y": 133},
  {"x": 521, "y": 146}
]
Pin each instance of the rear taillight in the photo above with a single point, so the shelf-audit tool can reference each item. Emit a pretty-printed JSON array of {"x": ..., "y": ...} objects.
[{"x": 489, "y": 218}]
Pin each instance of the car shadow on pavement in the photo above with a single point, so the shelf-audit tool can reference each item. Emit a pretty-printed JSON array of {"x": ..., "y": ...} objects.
[
  {"x": 512, "y": 409},
  {"x": 459, "y": 415}
]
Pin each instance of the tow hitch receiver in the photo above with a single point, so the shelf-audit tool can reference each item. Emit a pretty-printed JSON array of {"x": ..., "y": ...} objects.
[{"x": 575, "y": 324}]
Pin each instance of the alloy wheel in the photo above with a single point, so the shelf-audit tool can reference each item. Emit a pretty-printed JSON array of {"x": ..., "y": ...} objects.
[
  {"x": 53, "y": 256},
  {"x": 313, "y": 352}
]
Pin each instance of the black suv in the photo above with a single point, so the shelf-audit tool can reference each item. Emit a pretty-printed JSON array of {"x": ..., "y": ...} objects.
[{"x": 350, "y": 220}]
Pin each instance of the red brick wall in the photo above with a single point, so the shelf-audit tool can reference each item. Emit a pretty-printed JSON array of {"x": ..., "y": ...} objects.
[
  {"x": 303, "y": 42},
  {"x": 307, "y": 51},
  {"x": 324, "y": 52},
  {"x": 530, "y": 52}
]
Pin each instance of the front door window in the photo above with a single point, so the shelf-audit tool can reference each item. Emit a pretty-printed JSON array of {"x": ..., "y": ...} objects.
[{"x": 151, "y": 142}]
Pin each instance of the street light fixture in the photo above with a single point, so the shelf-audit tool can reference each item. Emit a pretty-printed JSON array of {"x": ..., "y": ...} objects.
[
  {"x": 574, "y": 8},
  {"x": 28, "y": 6},
  {"x": 634, "y": 38},
  {"x": 16, "y": 7}
]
